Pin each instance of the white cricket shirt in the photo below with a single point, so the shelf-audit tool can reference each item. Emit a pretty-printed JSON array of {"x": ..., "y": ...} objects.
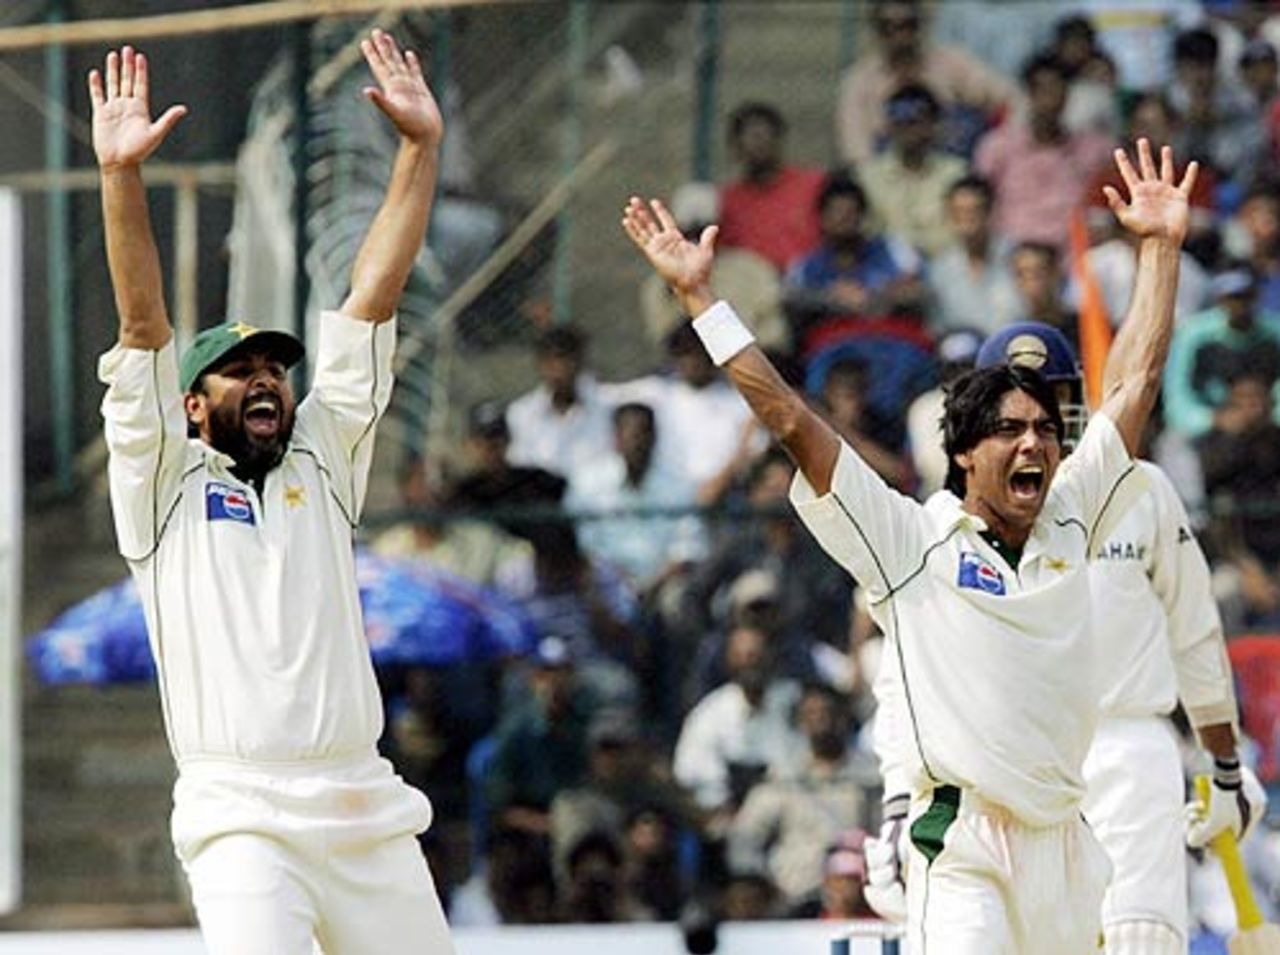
[
  {"x": 1157, "y": 625},
  {"x": 997, "y": 663},
  {"x": 251, "y": 601}
]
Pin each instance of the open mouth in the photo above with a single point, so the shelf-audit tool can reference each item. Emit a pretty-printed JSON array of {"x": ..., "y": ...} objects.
[
  {"x": 1027, "y": 482},
  {"x": 262, "y": 415}
]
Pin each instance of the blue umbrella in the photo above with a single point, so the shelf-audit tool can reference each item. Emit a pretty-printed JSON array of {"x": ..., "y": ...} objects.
[{"x": 413, "y": 616}]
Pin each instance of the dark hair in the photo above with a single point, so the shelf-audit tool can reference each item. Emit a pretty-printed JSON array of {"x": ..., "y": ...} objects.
[
  {"x": 1195, "y": 46},
  {"x": 633, "y": 407},
  {"x": 1046, "y": 251},
  {"x": 1077, "y": 24},
  {"x": 851, "y": 368},
  {"x": 911, "y": 95},
  {"x": 972, "y": 409},
  {"x": 562, "y": 340},
  {"x": 841, "y": 184},
  {"x": 760, "y": 467},
  {"x": 974, "y": 183},
  {"x": 754, "y": 110},
  {"x": 1042, "y": 62}
]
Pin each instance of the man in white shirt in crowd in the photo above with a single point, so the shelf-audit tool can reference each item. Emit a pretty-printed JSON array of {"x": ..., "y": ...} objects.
[{"x": 290, "y": 826}]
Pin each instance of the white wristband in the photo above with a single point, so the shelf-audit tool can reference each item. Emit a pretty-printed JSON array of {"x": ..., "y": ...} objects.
[{"x": 722, "y": 332}]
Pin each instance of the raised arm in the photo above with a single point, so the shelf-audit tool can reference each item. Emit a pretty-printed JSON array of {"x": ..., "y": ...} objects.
[
  {"x": 1157, "y": 212},
  {"x": 123, "y": 137},
  {"x": 386, "y": 257},
  {"x": 686, "y": 268}
]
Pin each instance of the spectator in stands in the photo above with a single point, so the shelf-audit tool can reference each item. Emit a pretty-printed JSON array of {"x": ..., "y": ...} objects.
[
  {"x": 879, "y": 442},
  {"x": 844, "y": 881},
  {"x": 1037, "y": 273},
  {"x": 971, "y": 93},
  {"x": 739, "y": 275},
  {"x": 1254, "y": 234},
  {"x": 1038, "y": 168},
  {"x": 907, "y": 183},
  {"x": 701, "y": 419},
  {"x": 513, "y": 885},
  {"x": 595, "y": 889},
  {"x": 1240, "y": 457},
  {"x": 1259, "y": 73},
  {"x": 734, "y": 733},
  {"x": 1091, "y": 78},
  {"x": 1223, "y": 128},
  {"x": 477, "y": 550},
  {"x": 770, "y": 208},
  {"x": 563, "y": 424},
  {"x": 540, "y": 746},
  {"x": 788, "y": 821},
  {"x": 850, "y": 274},
  {"x": 970, "y": 281},
  {"x": 749, "y": 897},
  {"x": 957, "y": 351},
  {"x": 1212, "y": 348},
  {"x": 651, "y": 550},
  {"x": 654, "y": 872},
  {"x": 811, "y": 600}
]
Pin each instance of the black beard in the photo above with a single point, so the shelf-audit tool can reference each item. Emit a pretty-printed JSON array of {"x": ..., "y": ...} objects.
[{"x": 253, "y": 456}]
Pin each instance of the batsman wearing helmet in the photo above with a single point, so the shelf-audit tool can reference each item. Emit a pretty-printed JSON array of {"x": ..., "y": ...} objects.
[
  {"x": 1158, "y": 639},
  {"x": 235, "y": 508},
  {"x": 983, "y": 591}
]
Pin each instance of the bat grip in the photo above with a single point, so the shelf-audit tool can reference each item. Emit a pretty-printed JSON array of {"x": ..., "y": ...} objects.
[{"x": 1227, "y": 849}]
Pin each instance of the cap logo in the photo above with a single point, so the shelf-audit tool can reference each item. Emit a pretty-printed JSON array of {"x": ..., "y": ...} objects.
[
  {"x": 242, "y": 329},
  {"x": 1029, "y": 351}
]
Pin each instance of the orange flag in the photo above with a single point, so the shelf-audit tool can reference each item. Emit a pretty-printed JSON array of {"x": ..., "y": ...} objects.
[{"x": 1095, "y": 323}]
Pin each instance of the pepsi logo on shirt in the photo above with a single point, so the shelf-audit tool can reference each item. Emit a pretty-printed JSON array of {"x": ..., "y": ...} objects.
[
  {"x": 222, "y": 502},
  {"x": 976, "y": 573}
]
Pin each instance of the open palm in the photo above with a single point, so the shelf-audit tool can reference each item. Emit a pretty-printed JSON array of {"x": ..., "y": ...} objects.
[
  {"x": 1157, "y": 207},
  {"x": 123, "y": 131},
  {"x": 402, "y": 92},
  {"x": 681, "y": 263}
]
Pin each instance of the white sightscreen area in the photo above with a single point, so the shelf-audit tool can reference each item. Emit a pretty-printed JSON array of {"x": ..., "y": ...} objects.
[{"x": 10, "y": 547}]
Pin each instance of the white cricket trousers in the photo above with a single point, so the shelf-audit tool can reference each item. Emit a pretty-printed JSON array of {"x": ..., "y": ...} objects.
[
  {"x": 282, "y": 857},
  {"x": 1134, "y": 803},
  {"x": 980, "y": 882}
]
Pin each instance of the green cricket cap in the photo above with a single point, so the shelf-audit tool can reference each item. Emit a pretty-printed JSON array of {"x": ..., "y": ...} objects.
[{"x": 215, "y": 344}]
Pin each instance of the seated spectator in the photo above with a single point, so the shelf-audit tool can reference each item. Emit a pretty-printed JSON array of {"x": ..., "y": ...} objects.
[
  {"x": 479, "y": 551},
  {"x": 540, "y": 745},
  {"x": 650, "y": 549},
  {"x": 1240, "y": 458},
  {"x": 513, "y": 885},
  {"x": 1091, "y": 78},
  {"x": 850, "y": 274},
  {"x": 1223, "y": 128},
  {"x": 907, "y": 183},
  {"x": 844, "y": 882},
  {"x": 812, "y": 601},
  {"x": 1039, "y": 280},
  {"x": 1113, "y": 264},
  {"x": 1212, "y": 348},
  {"x": 563, "y": 424},
  {"x": 1259, "y": 72},
  {"x": 957, "y": 351},
  {"x": 738, "y": 730},
  {"x": 970, "y": 281},
  {"x": 654, "y": 872},
  {"x": 971, "y": 93},
  {"x": 1038, "y": 168},
  {"x": 701, "y": 418},
  {"x": 769, "y": 209},
  {"x": 788, "y": 821},
  {"x": 738, "y": 275},
  {"x": 877, "y": 441},
  {"x": 1254, "y": 234},
  {"x": 749, "y": 897},
  {"x": 595, "y": 889}
]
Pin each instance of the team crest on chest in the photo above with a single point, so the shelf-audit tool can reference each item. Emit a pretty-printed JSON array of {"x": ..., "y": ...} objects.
[
  {"x": 222, "y": 502},
  {"x": 977, "y": 573}
]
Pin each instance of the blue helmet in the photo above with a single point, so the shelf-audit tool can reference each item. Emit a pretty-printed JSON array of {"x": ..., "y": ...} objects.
[{"x": 1044, "y": 348}]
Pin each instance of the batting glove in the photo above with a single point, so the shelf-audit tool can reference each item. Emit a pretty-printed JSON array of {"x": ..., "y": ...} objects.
[
  {"x": 1236, "y": 802},
  {"x": 886, "y": 890}
]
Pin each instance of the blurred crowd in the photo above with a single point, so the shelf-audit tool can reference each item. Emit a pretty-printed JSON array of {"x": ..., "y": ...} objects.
[{"x": 694, "y": 722}]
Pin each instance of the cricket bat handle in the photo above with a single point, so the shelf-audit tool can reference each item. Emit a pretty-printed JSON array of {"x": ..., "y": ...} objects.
[{"x": 1225, "y": 847}]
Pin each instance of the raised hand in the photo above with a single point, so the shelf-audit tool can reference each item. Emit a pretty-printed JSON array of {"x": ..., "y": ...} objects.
[
  {"x": 123, "y": 132},
  {"x": 684, "y": 265},
  {"x": 402, "y": 93},
  {"x": 1157, "y": 207}
]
